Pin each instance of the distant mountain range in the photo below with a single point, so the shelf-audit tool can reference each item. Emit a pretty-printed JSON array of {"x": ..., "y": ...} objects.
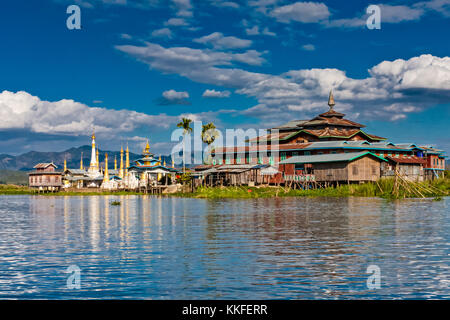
[{"x": 27, "y": 161}]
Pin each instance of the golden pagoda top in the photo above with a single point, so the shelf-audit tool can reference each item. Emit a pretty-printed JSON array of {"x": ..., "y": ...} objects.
[{"x": 146, "y": 149}]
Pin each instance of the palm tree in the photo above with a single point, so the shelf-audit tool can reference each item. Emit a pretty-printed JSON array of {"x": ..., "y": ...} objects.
[
  {"x": 209, "y": 135},
  {"x": 186, "y": 125}
]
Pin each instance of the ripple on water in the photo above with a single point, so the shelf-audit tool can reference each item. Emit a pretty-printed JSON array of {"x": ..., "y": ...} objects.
[{"x": 171, "y": 248}]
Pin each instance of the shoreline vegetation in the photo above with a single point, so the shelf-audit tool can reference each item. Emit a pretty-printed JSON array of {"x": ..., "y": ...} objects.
[{"x": 384, "y": 188}]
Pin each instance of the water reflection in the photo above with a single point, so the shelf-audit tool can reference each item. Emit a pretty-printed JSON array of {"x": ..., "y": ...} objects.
[{"x": 151, "y": 247}]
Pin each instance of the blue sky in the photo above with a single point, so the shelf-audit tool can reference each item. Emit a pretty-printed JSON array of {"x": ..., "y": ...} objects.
[{"x": 136, "y": 66}]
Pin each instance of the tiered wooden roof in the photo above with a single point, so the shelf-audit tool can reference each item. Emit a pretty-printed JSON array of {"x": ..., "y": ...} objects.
[{"x": 330, "y": 124}]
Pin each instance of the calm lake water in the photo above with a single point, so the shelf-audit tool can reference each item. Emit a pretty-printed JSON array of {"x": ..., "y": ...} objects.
[{"x": 174, "y": 248}]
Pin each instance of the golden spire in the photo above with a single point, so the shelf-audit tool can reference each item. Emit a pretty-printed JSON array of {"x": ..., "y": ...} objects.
[
  {"x": 164, "y": 162},
  {"x": 106, "y": 175},
  {"x": 331, "y": 100},
  {"x": 93, "y": 133},
  {"x": 159, "y": 162},
  {"x": 121, "y": 163},
  {"x": 115, "y": 162},
  {"x": 65, "y": 164},
  {"x": 127, "y": 160},
  {"x": 81, "y": 161},
  {"x": 98, "y": 163},
  {"x": 173, "y": 163}
]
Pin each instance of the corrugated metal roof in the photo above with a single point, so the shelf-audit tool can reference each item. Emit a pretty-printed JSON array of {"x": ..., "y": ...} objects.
[
  {"x": 235, "y": 166},
  {"x": 408, "y": 160},
  {"x": 332, "y": 157},
  {"x": 269, "y": 171},
  {"x": 77, "y": 171},
  {"x": 44, "y": 165},
  {"x": 211, "y": 170}
]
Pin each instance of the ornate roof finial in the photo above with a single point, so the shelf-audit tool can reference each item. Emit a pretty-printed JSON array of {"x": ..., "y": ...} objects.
[
  {"x": 147, "y": 148},
  {"x": 331, "y": 99},
  {"x": 93, "y": 132}
]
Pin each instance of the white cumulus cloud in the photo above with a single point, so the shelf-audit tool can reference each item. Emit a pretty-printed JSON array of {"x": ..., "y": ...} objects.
[
  {"x": 219, "y": 41},
  {"x": 175, "y": 95},
  {"x": 23, "y": 111},
  {"x": 305, "y": 12},
  {"x": 216, "y": 94}
]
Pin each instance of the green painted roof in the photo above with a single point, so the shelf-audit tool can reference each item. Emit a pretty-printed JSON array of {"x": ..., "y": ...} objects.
[{"x": 331, "y": 157}]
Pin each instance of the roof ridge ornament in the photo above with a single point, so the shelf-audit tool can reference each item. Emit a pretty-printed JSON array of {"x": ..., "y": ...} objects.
[{"x": 331, "y": 102}]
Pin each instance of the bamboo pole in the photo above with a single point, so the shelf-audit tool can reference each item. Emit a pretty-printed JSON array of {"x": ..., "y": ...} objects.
[{"x": 409, "y": 187}]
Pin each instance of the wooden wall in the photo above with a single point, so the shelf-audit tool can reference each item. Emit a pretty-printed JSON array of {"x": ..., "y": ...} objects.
[
  {"x": 331, "y": 171},
  {"x": 363, "y": 169},
  {"x": 367, "y": 169},
  {"x": 44, "y": 180}
]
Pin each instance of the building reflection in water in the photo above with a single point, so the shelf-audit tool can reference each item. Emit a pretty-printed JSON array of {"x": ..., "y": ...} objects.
[
  {"x": 295, "y": 243},
  {"x": 94, "y": 220},
  {"x": 287, "y": 233}
]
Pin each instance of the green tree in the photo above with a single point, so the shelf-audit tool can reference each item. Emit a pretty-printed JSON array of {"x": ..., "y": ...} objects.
[
  {"x": 209, "y": 135},
  {"x": 185, "y": 124}
]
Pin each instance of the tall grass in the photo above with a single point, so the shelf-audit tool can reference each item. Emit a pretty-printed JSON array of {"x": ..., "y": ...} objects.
[{"x": 384, "y": 188}]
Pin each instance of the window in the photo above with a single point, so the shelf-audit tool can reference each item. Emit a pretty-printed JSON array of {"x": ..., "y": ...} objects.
[
  {"x": 271, "y": 160},
  {"x": 260, "y": 160},
  {"x": 247, "y": 158},
  {"x": 355, "y": 169},
  {"x": 294, "y": 154},
  {"x": 220, "y": 161},
  {"x": 283, "y": 155},
  {"x": 227, "y": 161},
  {"x": 238, "y": 159},
  {"x": 307, "y": 153},
  {"x": 334, "y": 151}
]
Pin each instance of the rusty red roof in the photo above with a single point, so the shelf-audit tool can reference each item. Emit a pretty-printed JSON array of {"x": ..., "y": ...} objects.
[
  {"x": 44, "y": 165},
  {"x": 332, "y": 113},
  {"x": 408, "y": 160},
  {"x": 332, "y": 121}
]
